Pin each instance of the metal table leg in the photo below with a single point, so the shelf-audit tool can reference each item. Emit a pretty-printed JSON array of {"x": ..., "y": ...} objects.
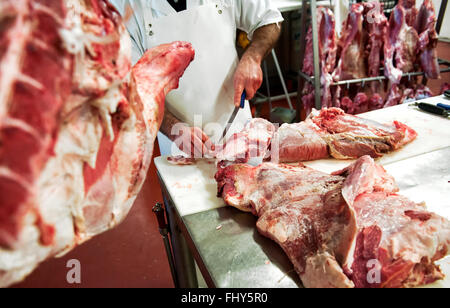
[
  {"x": 186, "y": 276},
  {"x": 184, "y": 262}
]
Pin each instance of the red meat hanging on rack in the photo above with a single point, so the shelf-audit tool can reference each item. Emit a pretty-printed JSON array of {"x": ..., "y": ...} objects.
[
  {"x": 327, "y": 58},
  {"x": 425, "y": 25},
  {"x": 400, "y": 48},
  {"x": 351, "y": 47},
  {"x": 410, "y": 11}
]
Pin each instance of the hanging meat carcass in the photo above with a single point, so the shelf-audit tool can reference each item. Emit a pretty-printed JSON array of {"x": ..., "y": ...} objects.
[
  {"x": 375, "y": 23},
  {"x": 327, "y": 58},
  {"x": 351, "y": 47},
  {"x": 400, "y": 52},
  {"x": 77, "y": 125},
  {"x": 400, "y": 48},
  {"x": 425, "y": 25},
  {"x": 352, "y": 55}
]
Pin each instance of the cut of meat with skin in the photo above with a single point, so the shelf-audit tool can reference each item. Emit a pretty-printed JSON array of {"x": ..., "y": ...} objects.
[
  {"x": 399, "y": 236},
  {"x": 400, "y": 46},
  {"x": 76, "y": 136},
  {"x": 299, "y": 208},
  {"x": 425, "y": 25},
  {"x": 347, "y": 229}
]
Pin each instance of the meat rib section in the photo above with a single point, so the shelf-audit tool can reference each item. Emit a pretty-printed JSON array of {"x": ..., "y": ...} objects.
[
  {"x": 30, "y": 102},
  {"x": 77, "y": 125},
  {"x": 336, "y": 228}
]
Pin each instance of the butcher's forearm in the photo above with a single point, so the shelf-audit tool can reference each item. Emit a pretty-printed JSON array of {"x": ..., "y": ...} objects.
[
  {"x": 264, "y": 40},
  {"x": 169, "y": 121}
]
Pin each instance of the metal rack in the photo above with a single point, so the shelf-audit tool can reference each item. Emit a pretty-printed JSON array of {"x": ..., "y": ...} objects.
[{"x": 310, "y": 6}]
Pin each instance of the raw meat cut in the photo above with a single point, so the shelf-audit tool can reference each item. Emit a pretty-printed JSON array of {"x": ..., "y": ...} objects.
[
  {"x": 425, "y": 25},
  {"x": 77, "y": 126},
  {"x": 348, "y": 229},
  {"x": 300, "y": 142},
  {"x": 395, "y": 96},
  {"x": 349, "y": 136},
  {"x": 359, "y": 104},
  {"x": 376, "y": 102},
  {"x": 326, "y": 132},
  {"x": 400, "y": 46},
  {"x": 299, "y": 208},
  {"x": 181, "y": 160},
  {"x": 351, "y": 64},
  {"x": 395, "y": 234}
]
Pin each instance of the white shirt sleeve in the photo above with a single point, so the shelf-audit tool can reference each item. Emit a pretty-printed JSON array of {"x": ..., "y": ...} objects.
[{"x": 253, "y": 14}]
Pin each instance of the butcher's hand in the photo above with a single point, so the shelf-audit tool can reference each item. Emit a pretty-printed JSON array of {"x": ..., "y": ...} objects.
[
  {"x": 248, "y": 75},
  {"x": 193, "y": 141}
]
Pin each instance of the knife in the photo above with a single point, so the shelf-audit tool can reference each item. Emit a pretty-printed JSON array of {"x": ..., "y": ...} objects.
[
  {"x": 444, "y": 106},
  {"x": 234, "y": 114},
  {"x": 447, "y": 94},
  {"x": 433, "y": 109}
]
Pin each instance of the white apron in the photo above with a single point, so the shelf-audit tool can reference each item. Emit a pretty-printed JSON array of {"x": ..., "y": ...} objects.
[{"x": 206, "y": 92}]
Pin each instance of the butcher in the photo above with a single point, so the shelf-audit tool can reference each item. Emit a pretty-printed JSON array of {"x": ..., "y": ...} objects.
[{"x": 198, "y": 111}]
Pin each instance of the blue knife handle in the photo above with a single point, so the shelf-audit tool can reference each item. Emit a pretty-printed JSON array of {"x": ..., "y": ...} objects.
[
  {"x": 444, "y": 106},
  {"x": 244, "y": 95}
]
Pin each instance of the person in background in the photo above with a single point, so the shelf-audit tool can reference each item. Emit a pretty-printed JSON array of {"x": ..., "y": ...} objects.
[{"x": 214, "y": 83}]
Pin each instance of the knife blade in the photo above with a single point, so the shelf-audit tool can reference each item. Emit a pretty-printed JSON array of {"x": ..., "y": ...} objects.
[{"x": 234, "y": 114}]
